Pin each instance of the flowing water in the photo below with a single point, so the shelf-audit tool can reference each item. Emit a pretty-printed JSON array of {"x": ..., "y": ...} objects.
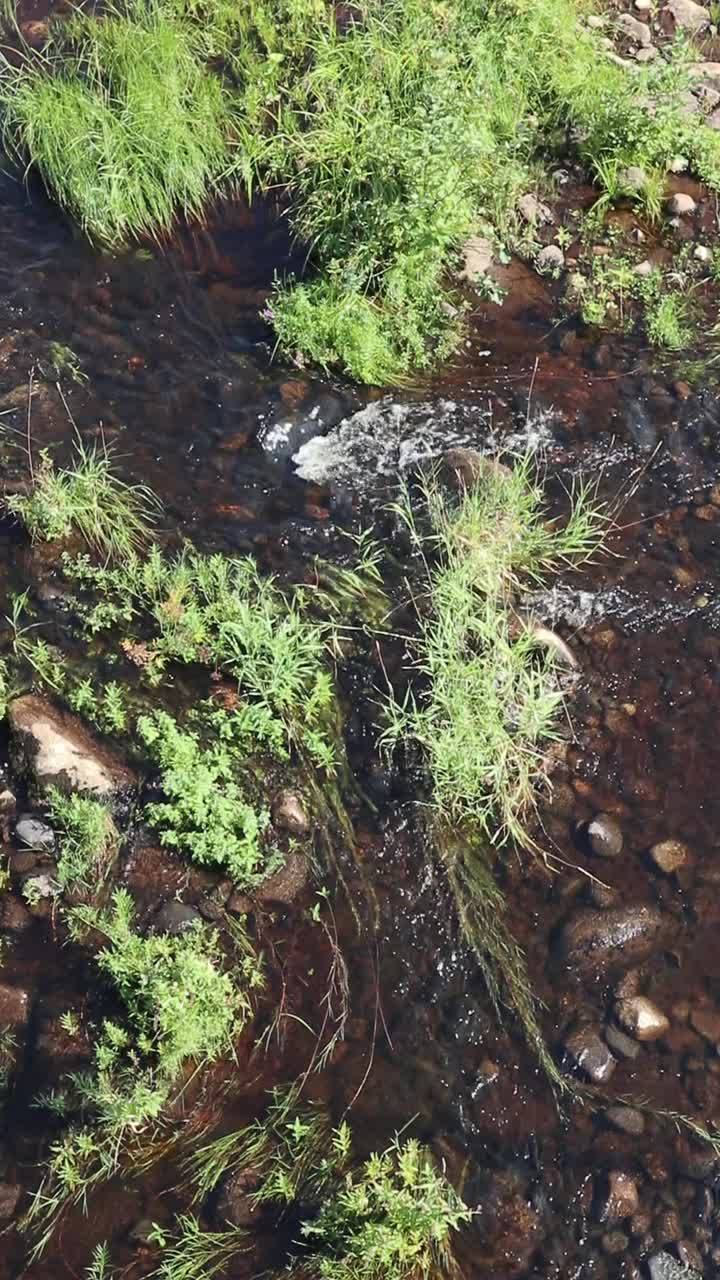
[{"x": 176, "y": 374}]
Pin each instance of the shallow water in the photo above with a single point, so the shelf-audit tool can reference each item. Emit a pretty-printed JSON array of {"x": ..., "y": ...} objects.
[{"x": 177, "y": 377}]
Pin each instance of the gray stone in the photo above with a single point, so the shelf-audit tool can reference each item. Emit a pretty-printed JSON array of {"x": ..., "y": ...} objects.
[
  {"x": 633, "y": 178},
  {"x": 175, "y": 918},
  {"x": 681, "y": 203},
  {"x": 688, "y": 15},
  {"x": 605, "y": 836},
  {"x": 591, "y": 1054},
  {"x": 713, "y": 120},
  {"x": 648, "y": 54},
  {"x": 705, "y": 70},
  {"x": 622, "y": 1045},
  {"x": 34, "y": 833},
  {"x": 595, "y": 22},
  {"x": 595, "y": 941},
  {"x": 551, "y": 258},
  {"x": 701, "y": 253},
  {"x": 670, "y": 856},
  {"x": 678, "y": 164},
  {"x": 662, "y": 1266},
  {"x": 626, "y": 1120},
  {"x": 641, "y": 1018},
  {"x": 644, "y": 268},
  {"x": 634, "y": 29},
  {"x": 55, "y": 749},
  {"x": 534, "y": 211},
  {"x": 289, "y": 814},
  {"x": 478, "y": 257}
]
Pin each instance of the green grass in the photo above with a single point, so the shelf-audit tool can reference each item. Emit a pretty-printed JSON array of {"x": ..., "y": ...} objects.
[
  {"x": 122, "y": 120},
  {"x": 87, "y": 499},
  {"x": 88, "y": 840},
  {"x": 194, "y": 1253},
  {"x": 393, "y": 140}
]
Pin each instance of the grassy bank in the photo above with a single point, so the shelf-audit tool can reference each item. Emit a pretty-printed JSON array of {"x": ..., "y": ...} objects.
[{"x": 393, "y": 134}]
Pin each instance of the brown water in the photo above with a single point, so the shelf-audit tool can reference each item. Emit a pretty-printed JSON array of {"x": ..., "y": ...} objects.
[{"x": 181, "y": 383}]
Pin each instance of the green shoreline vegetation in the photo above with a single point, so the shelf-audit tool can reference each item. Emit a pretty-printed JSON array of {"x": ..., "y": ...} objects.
[{"x": 394, "y": 135}]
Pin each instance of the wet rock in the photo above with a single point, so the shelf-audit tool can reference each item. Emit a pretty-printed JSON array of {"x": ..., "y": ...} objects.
[
  {"x": 628, "y": 985},
  {"x": 621, "y": 1200},
  {"x": 670, "y": 856},
  {"x": 689, "y": 1255},
  {"x": 701, "y": 253},
  {"x": 634, "y": 178},
  {"x": 478, "y": 256},
  {"x": 641, "y": 1018},
  {"x": 534, "y": 211},
  {"x": 698, "y": 1165},
  {"x": 690, "y": 16},
  {"x": 34, "y": 833},
  {"x": 668, "y": 1227},
  {"x": 40, "y": 889},
  {"x": 614, "y": 1242},
  {"x": 597, "y": 940},
  {"x": 7, "y": 801},
  {"x": 591, "y": 1054},
  {"x": 626, "y": 1120},
  {"x": 142, "y": 1233},
  {"x": 681, "y": 204},
  {"x": 623, "y": 1046},
  {"x": 707, "y": 1023},
  {"x": 287, "y": 884},
  {"x": 236, "y": 1204},
  {"x": 55, "y": 749},
  {"x": 509, "y": 1226},
  {"x": 662, "y": 1266},
  {"x": 640, "y": 1223},
  {"x": 14, "y": 917},
  {"x": 175, "y": 918},
  {"x": 14, "y": 1006},
  {"x": 551, "y": 258},
  {"x": 678, "y": 164},
  {"x": 288, "y": 813},
  {"x": 635, "y": 30},
  {"x": 603, "y": 896},
  {"x": 9, "y": 1200},
  {"x": 605, "y": 836}
]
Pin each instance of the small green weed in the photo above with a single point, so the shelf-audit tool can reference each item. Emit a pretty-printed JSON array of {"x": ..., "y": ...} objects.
[
  {"x": 100, "y": 1268},
  {"x": 197, "y": 1254}
]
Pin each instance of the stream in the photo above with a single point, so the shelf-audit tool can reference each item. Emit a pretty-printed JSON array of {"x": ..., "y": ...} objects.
[{"x": 176, "y": 375}]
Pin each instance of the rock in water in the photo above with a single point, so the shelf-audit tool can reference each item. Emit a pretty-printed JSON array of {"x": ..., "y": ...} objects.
[
  {"x": 641, "y": 1018},
  {"x": 662, "y": 1266},
  {"x": 605, "y": 836},
  {"x": 681, "y": 204},
  {"x": 287, "y": 884},
  {"x": 55, "y": 749},
  {"x": 591, "y": 1054},
  {"x": 670, "y": 856},
  {"x": 594, "y": 941}
]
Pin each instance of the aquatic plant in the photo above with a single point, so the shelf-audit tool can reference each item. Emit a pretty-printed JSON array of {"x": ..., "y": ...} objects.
[
  {"x": 194, "y": 1253},
  {"x": 86, "y": 498},
  {"x": 100, "y": 1268},
  {"x": 488, "y": 699}
]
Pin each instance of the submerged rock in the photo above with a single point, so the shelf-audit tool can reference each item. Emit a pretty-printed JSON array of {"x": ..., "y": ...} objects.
[
  {"x": 287, "y": 884},
  {"x": 622, "y": 1200},
  {"x": 641, "y": 1018},
  {"x": 662, "y": 1266},
  {"x": 591, "y": 1054},
  {"x": 54, "y": 748},
  {"x": 175, "y": 918},
  {"x": 622, "y": 1045},
  {"x": 288, "y": 813},
  {"x": 670, "y": 856},
  {"x": 478, "y": 256},
  {"x": 605, "y": 836},
  {"x": 626, "y": 1120},
  {"x": 596, "y": 940},
  {"x": 236, "y": 1202}
]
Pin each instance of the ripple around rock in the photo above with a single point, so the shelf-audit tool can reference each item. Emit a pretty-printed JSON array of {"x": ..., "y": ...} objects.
[{"x": 593, "y": 941}]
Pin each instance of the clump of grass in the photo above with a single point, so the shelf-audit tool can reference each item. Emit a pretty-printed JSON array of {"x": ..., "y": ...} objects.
[
  {"x": 122, "y": 119},
  {"x": 488, "y": 700},
  {"x": 197, "y": 1254},
  {"x": 86, "y": 498},
  {"x": 100, "y": 1268},
  {"x": 89, "y": 840}
]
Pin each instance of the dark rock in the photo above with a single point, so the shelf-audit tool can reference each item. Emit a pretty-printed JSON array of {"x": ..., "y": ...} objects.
[
  {"x": 236, "y": 1204},
  {"x": 698, "y": 1165},
  {"x": 591, "y": 1054},
  {"x": 9, "y": 1200},
  {"x": 289, "y": 814},
  {"x": 287, "y": 884},
  {"x": 621, "y": 1200},
  {"x": 626, "y": 1120},
  {"x": 14, "y": 1006},
  {"x": 668, "y": 1227},
  {"x": 14, "y": 917},
  {"x": 605, "y": 836},
  {"x": 53, "y": 748},
  {"x": 33, "y": 833},
  {"x": 594, "y": 941},
  {"x": 622, "y": 1046},
  {"x": 175, "y": 918}
]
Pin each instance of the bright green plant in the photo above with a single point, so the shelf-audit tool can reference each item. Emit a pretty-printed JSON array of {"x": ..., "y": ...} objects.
[
  {"x": 205, "y": 814},
  {"x": 100, "y": 1268},
  {"x": 193, "y": 1253},
  {"x": 88, "y": 838},
  {"x": 86, "y": 498}
]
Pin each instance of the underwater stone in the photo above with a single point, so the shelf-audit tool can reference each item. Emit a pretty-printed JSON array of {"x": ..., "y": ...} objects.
[
  {"x": 605, "y": 836},
  {"x": 641, "y": 1018},
  {"x": 595, "y": 940},
  {"x": 591, "y": 1054}
]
